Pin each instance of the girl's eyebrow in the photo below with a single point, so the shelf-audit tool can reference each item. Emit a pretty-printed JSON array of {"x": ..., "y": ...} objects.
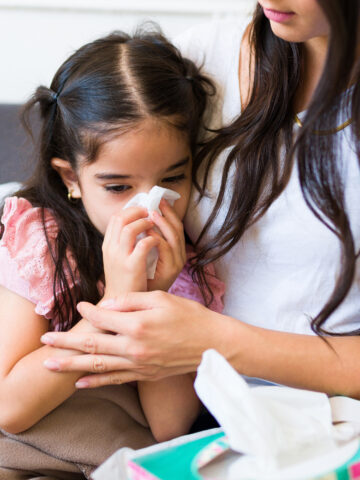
[
  {"x": 118, "y": 176},
  {"x": 182, "y": 163},
  {"x": 111, "y": 176}
]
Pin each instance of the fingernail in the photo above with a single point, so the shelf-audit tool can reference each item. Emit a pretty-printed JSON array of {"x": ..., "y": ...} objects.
[
  {"x": 81, "y": 384},
  {"x": 48, "y": 339},
  {"x": 51, "y": 364},
  {"x": 78, "y": 307},
  {"x": 107, "y": 303},
  {"x": 155, "y": 214}
]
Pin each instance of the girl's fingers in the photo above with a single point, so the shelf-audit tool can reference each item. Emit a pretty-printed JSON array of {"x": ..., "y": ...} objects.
[
  {"x": 174, "y": 236},
  {"x": 169, "y": 213},
  {"x": 165, "y": 250},
  {"x": 142, "y": 249},
  {"x": 117, "y": 222},
  {"x": 108, "y": 233},
  {"x": 129, "y": 233},
  {"x": 170, "y": 252},
  {"x": 131, "y": 214}
]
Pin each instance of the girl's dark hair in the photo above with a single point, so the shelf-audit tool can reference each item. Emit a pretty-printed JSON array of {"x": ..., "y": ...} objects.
[
  {"x": 267, "y": 123},
  {"x": 103, "y": 89}
]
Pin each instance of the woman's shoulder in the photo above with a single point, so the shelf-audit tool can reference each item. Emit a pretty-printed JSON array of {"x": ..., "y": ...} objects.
[
  {"x": 27, "y": 249},
  {"x": 215, "y": 47},
  {"x": 212, "y": 43}
]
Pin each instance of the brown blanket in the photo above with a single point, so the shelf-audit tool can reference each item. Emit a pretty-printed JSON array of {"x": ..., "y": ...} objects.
[{"x": 74, "y": 439}]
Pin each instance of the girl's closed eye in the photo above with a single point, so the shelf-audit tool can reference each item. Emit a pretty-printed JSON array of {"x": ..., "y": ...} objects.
[
  {"x": 175, "y": 178},
  {"x": 117, "y": 188}
]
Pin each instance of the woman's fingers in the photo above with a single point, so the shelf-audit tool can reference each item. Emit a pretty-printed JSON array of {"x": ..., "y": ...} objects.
[
  {"x": 127, "y": 302},
  {"x": 118, "y": 377},
  {"x": 159, "y": 334},
  {"x": 91, "y": 343},
  {"x": 88, "y": 363},
  {"x": 110, "y": 378}
]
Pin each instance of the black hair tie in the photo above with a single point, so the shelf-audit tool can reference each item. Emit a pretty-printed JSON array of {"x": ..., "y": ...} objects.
[{"x": 54, "y": 96}]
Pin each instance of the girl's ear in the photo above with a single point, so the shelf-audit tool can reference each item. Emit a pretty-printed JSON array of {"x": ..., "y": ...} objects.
[{"x": 67, "y": 175}]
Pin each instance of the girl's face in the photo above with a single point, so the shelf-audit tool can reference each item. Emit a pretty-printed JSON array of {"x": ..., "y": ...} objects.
[
  {"x": 153, "y": 153},
  {"x": 296, "y": 20}
]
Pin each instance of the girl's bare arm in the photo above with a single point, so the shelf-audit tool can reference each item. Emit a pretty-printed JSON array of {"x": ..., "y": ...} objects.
[
  {"x": 170, "y": 405},
  {"x": 28, "y": 390}
]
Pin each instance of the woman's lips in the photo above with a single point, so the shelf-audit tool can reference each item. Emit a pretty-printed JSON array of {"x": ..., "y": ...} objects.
[{"x": 277, "y": 16}]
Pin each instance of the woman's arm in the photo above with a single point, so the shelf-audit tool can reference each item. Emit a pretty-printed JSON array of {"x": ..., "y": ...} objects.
[
  {"x": 162, "y": 335},
  {"x": 29, "y": 391}
]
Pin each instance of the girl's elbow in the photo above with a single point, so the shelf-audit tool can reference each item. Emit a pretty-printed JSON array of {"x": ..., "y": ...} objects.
[
  {"x": 11, "y": 426},
  {"x": 11, "y": 422},
  {"x": 165, "y": 434},
  {"x": 165, "y": 431}
]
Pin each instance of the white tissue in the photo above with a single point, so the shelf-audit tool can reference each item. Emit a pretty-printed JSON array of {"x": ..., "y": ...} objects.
[
  {"x": 151, "y": 201},
  {"x": 275, "y": 427}
]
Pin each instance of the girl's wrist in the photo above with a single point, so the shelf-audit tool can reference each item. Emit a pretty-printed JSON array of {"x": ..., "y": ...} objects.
[{"x": 83, "y": 326}]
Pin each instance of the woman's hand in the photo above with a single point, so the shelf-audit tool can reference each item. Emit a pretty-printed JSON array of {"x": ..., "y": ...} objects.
[
  {"x": 157, "y": 335},
  {"x": 124, "y": 259},
  {"x": 171, "y": 247}
]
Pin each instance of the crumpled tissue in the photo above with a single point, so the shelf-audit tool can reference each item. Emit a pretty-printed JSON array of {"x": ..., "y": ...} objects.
[
  {"x": 275, "y": 427},
  {"x": 151, "y": 201}
]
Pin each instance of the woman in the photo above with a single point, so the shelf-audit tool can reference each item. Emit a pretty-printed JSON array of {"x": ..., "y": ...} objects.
[{"x": 279, "y": 212}]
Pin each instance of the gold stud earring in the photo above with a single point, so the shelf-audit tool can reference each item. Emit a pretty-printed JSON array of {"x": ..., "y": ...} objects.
[{"x": 70, "y": 196}]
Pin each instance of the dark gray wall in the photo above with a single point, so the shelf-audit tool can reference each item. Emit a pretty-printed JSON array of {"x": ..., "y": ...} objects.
[{"x": 16, "y": 148}]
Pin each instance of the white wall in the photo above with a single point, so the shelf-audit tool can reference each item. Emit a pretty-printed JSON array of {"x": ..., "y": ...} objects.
[{"x": 36, "y": 36}]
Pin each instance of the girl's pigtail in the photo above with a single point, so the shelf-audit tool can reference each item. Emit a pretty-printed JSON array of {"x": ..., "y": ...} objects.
[
  {"x": 46, "y": 101},
  {"x": 202, "y": 88}
]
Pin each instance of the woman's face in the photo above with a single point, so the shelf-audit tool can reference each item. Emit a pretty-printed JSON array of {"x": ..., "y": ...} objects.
[{"x": 296, "y": 20}]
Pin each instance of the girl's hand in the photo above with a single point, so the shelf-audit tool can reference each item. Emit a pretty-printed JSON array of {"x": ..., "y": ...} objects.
[
  {"x": 157, "y": 335},
  {"x": 171, "y": 247},
  {"x": 124, "y": 259}
]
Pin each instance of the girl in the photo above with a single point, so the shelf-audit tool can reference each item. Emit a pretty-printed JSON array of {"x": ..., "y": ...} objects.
[
  {"x": 122, "y": 115},
  {"x": 284, "y": 224}
]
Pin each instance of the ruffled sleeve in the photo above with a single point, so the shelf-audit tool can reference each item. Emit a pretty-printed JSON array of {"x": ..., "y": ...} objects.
[
  {"x": 26, "y": 263},
  {"x": 184, "y": 286}
]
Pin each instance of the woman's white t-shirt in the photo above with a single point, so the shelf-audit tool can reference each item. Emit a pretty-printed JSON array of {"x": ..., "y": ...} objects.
[{"x": 284, "y": 268}]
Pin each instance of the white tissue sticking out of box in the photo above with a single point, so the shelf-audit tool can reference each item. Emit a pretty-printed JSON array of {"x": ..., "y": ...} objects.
[
  {"x": 273, "y": 426},
  {"x": 151, "y": 202}
]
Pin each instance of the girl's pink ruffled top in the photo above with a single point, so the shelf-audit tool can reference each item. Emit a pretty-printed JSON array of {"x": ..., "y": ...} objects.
[
  {"x": 26, "y": 265},
  {"x": 184, "y": 286},
  {"x": 27, "y": 268}
]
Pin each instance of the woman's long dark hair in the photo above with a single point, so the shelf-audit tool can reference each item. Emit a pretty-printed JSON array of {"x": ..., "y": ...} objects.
[
  {"x": 104, "y": 88},
  {"x": 267, "y": 122}
]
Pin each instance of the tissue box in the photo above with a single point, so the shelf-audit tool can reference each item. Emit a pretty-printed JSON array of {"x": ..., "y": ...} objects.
[
  {"x": 178, "y": 462},
  {"x": 184, "y": 463},
  {"x": 186, "y": 457}
]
